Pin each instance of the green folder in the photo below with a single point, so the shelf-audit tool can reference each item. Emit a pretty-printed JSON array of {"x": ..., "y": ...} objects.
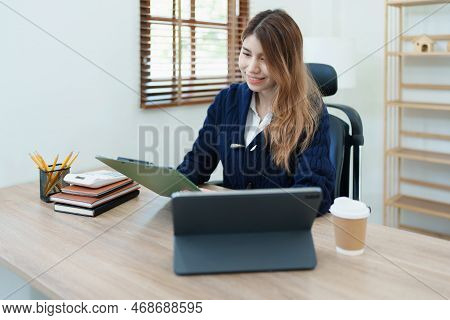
[{"x": 162, "y": 180}]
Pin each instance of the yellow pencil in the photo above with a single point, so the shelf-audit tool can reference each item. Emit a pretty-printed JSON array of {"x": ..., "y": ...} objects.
[
  {"x": 65, "y": 160},
  {"x": 54, "y": 162},
  {"x": 35, "y": 161},
  {"x": 56, "y": 177},
  {"x": 50, "y": 175},
  {"x": 73, "y": 159},
  {"x": 41, "y": 160},
  {"x": 38, "y": 160}
]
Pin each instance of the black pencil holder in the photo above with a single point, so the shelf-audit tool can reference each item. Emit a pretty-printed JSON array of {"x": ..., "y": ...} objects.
[{"x": 52, "y": 182}]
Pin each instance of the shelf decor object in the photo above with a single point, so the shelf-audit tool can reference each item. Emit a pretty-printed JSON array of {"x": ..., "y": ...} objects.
[
  {"x": 398, "y": 178},
  {"x": 423, "y": 44}
]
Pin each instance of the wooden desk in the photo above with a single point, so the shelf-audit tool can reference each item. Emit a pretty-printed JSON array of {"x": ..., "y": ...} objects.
[{"x": 127, "y": 254}]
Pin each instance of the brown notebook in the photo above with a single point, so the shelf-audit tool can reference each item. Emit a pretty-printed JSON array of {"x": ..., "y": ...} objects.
[
  {"x": 92, "y": 202},
  {"x": 97, "y": 192}
]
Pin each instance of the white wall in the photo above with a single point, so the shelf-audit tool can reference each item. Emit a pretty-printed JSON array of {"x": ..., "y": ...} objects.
[{"x": 54, "y": 101}]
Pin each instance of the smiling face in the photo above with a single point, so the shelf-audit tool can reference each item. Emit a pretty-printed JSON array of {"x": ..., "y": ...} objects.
[{"x": 253, "y": 65}]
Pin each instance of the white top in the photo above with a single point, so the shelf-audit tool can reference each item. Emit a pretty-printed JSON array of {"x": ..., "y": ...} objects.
[
  {"x": 347, "y": 208},
  {"x": 254, "y": 124}
]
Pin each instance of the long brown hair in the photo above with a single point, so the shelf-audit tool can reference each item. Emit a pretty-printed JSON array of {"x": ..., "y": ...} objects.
[{"x": 297, "y": 102}]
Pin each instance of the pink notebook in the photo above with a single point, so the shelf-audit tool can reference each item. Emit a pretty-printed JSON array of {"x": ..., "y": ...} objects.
[
  {"x": 97, "y": 192},
  {"x": 92, "y": 202}
]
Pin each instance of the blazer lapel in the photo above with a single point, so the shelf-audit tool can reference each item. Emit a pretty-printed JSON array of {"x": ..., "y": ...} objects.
[{"x": 244, "y": 105}]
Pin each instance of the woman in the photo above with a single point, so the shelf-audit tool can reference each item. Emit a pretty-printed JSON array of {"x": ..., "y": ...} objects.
[{"x": 273, "y": 130}]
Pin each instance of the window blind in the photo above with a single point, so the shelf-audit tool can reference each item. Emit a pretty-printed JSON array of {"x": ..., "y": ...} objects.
[{"x": 189, "y": 49}]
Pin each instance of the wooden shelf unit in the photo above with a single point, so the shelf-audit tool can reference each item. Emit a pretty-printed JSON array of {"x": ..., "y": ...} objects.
[
  {"x": 434, "y": 208},
  {"x": 419, "y": 54},
  {"x": 425, "y": 135},
  {"x": 426, "y": 184},
  {"x": 419, "y": 105},
  {"x": 409, "y": 3},
  {"x": 435, "y": 37},
  {"x": 396, "y": 201},
  {"x": 425, "y": 86},
  {"x": 420, "y": 155}
]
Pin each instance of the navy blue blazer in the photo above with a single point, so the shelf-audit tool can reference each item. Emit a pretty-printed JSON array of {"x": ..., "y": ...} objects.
[{"x": 253, "y": 167}]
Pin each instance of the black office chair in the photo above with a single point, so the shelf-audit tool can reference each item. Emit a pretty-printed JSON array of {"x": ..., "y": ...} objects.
[{"x": 343, "y": 141}]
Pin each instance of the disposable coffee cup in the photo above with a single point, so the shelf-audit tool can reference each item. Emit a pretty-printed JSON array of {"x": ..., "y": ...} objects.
[{"x": 350, "y": 224}]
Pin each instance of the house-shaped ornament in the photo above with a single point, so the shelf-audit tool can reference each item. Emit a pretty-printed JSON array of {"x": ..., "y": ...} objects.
[{"x": 423, "y": 44}]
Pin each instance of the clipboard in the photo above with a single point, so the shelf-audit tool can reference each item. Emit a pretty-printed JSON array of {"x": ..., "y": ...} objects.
[{"x": 161, "y": 180}]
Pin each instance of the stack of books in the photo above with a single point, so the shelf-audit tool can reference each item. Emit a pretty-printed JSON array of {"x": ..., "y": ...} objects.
[{"x": 81, "y": 198}]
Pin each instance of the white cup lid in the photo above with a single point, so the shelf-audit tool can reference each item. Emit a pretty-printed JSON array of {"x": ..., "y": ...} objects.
[{"x": 347, "y": 208}]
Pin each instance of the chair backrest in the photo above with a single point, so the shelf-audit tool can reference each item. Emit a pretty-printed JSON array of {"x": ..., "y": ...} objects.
[
  {"x": 325, "y": 77},
  {"x": 341, "y": 140},
  {"x": 339, "y": 130}
]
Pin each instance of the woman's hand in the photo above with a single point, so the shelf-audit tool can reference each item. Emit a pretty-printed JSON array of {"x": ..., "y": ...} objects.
[
  {"x": 201, "y": 189},
  {"x": 205, "y": 190}
]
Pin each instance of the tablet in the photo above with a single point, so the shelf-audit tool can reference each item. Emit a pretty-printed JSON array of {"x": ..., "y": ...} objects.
[
  {"x": 244, "y": 231},
  {"x": 161, "y": 180}
]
